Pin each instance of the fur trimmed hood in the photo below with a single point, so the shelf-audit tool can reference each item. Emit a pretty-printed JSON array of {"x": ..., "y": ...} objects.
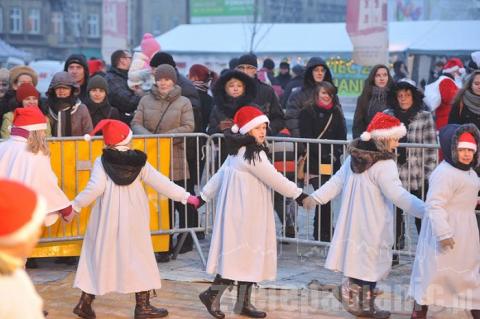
[
  {"x": 365, "y": 154},
  {"x": 228, "y": 104},
  {"x": 449, "y": 136}
]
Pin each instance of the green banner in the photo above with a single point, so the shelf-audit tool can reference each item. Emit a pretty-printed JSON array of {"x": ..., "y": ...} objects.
[
  {"x": 348, "y": 77},
  {"x": 221, "y": 8}
]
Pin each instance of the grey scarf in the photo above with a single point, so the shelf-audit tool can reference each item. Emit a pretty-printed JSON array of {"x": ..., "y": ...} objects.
[
  {"x": 472, "y": 102},
  {"x": 377, "y": 103}
]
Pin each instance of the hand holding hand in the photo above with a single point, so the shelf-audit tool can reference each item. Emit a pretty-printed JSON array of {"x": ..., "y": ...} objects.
[
  {"x": 300, "y": 199},
  {"x": 195, "y": 201},
  {"x": 309, "y": 203},
  {"x": 67, "y": 214},
  {"x": 225, "y": 124},
  {"x": 447, "y": 243}
]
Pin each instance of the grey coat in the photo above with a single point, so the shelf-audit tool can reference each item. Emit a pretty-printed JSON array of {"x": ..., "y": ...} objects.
[{"x": 177, "y": 114}]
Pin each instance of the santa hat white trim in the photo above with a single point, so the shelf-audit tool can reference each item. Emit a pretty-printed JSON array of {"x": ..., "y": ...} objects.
[
  {"x": 253, "y": 123},
  {"x": 386, "y": 133},
  {"x": 453, "y": 69},
  {"x": 34, "y": 127},
  {"x": 127, "y": 139},
  {"x": 468, "y": 145},
  {"x": 22, "y": 234}
]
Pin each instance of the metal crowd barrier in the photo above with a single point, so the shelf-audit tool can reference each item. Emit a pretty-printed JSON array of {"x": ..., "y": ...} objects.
[{"x": 201, "y": 156}]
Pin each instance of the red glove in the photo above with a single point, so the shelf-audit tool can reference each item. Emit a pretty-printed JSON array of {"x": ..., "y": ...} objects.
[
  {"x": 67, "y": 213},
  {"x": 195, "y": 201}
]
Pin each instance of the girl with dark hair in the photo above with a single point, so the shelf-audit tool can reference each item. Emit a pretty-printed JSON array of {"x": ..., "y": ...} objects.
[
  {"x": 323, "y": 119},
  {"x": 466, "y": 106},
  {"x": 375, "y": 98}
]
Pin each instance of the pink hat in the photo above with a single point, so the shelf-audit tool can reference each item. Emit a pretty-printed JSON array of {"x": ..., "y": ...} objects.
[
  {"x": 22, "y": 212},
  {"x": 247, "y": 118},
  {"x": 384, "y": 126},
  {"x": 149, "y": 45},
  {"x": 114, "y": 132},
  {"x": 29, "y": 118}
]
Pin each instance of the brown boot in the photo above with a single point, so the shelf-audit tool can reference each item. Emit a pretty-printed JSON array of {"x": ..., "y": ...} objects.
[
  {"x": 143, "y": 309},
  {"x": 244, "y": 306},
  {"x": 84, "y": 306},
  {"x": 211, "y": 297},
  {"x": 419, "y": 311},
  {"x": 475, "y": 314}
]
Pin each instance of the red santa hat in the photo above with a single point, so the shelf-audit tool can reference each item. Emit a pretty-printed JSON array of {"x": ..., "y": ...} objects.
[
  {"x": 22, "y": 212},
  {"x": 114, "y": 132},
  {"x": 384, "y": 126},
  {"x": 452, "y": 65},
  {"x": 466, "y": 140},
  {"x": 29, "y": 118},
  {"x": 247, "y": 118}
]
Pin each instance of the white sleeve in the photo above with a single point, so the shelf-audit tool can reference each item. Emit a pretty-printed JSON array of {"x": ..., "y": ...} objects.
[
  {"x": 163, "y": 185},
  {"x": 333, "y": 186},
  {"x": 389, "y": 183},
  {"x": 266, "y": 172},
  {"x": 439, "y": 194},
  {"x": 210, "y": 189},
  {"x": 95, "y": 187}
]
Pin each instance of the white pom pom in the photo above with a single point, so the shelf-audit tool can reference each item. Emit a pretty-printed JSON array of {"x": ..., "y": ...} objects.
[
  {"x": 366, "y": 136},
  {"x": 87, "y": 137},
  {"x": 235, "y": 128}
]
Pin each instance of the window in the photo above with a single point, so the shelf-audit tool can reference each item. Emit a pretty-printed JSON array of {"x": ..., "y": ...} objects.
[
  {"x": 76, "y": 24},
  {"x": 57, "y": 23},
  {"x": 33, "y": 23},
  {"x": 93, "y": 26},
  {"x": 16, "y": 20},
  {"x": 1, "y": 20}
]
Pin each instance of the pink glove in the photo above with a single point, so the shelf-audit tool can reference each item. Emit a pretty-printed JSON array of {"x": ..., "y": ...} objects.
[
  {"x": 67, "y": 214},
  {"x": 194, "y": 201}
]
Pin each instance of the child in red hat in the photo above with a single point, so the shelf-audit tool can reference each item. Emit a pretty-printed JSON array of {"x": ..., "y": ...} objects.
[
  {"x": 244, "y": 244},
  {"x": 363, "y": 239},
  {"x": 27, "y": 96},
  {"x": 446, "y": 271},
  {"x": 22, "y": 212},
  {"x": 117, "y": 253}
]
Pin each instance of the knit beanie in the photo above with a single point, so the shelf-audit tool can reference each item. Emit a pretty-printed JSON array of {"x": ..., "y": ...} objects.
[
  {"x": 162, "y": 58},
  {"x": 97, "y": 82},
  {"x": 268, "y": 64},
  {"x": 25, "y": 90},
  {"x": 4, "y": 74},
  {"x": 149, "y": 45},
  {"x": 165, "y": 71},
  {"x": 248, "y": 59},
  {"x": 199, "y": 71}
]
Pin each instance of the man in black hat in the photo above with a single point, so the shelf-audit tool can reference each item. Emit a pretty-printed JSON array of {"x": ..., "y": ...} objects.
[
  {"x": 265, "y": 98},
  {"x": 284, "y": 76}
]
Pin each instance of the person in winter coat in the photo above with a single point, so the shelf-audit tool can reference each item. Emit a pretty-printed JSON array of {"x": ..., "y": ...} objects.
[
  {"x": 296, "y": 81},
  {"x": 376, "y": 96},
  {"x": 97, "y": 101},
  {"x": 165, "y": 111},
  {"x": 22, "y": 212},
  {"x": 317, "y": 71},
  {"x": 414, "y": 164},
  {"x": 284, "y": 75},
  {"x": 24, "y": 157},
  {"x": 76, "y": 65},
  {"x": 400, "y": 71},
  {"x": 323, "y": 119},
  {"x": 448, "y": 87},
  {"x": 140, "y": 75},
  {"x": 466, "y": 105},
  {"x": 4, "y": 86},
  {"x": 369, "y": 185},
  {"x": 67, "y": 114},
  {"x": 446, "y": 271},
  {"x": 243, "y": 246},
  {"x": 117, "y": 253},
  {"x": 120, "y": 95},
  {"x": 27, "y": 96},
  {"x": 265, "y": 97},
  {"x": 18, "y": 76}
]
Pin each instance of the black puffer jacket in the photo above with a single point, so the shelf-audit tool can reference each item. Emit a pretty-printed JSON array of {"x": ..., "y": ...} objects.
[
  {"x": 267, "y": 101},
  {"x": 224, "y": 105},
  {"x": 300, "y": 98}
]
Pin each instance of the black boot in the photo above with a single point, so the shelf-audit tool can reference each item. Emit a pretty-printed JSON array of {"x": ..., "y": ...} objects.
[
  {"x": 143, "y": 309},
  {"x": 243, "y": 306},
  {"x": 475, "y": 314},
  {"x": 419, "y": 311},
  {"x": 211, "y": 297},
  {"x": 84, "y": 307}
]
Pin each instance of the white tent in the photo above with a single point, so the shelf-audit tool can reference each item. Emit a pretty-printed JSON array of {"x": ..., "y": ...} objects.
[{"x": 8, "y": 51}]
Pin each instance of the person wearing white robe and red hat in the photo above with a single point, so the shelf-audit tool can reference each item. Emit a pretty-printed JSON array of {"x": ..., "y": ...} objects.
[
  {"x": 22, "y": 212},
  {"x": 244, "y": 244},
  {"x": 446, "y": 271},
  {"x": 369, "y": 185},
  {"x": 117, "y": 253},
  {"x": 24, "y": 157}
]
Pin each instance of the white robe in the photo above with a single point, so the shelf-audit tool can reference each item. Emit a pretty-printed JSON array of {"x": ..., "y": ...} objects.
[
  {"x": 19, "y": 298},
  {"x": 117, "y": 252},
  {"x": 34, "y": 170},
  {"x": 449, "y": 278},
  {"x": 244, "y": 244},
  {"x": 362, "y": 243}
]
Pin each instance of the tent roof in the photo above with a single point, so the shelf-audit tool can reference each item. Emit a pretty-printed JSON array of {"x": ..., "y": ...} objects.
[
  {"x": 7, "y": 51},
  {"x": 419, "y": 36}
]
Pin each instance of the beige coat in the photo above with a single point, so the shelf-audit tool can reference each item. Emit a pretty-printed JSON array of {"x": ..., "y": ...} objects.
[{"x": 177, "y": 114}]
